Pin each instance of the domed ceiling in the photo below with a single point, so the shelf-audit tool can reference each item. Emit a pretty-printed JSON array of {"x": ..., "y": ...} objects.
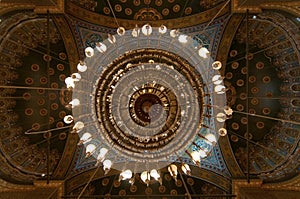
[{"x": 262, "y": 88}]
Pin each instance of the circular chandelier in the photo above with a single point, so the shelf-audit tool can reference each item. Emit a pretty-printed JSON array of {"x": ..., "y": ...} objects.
[{"x": 146, "y": 98}]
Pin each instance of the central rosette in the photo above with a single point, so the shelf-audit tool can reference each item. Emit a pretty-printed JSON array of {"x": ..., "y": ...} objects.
[{"x": 149, "y": 104}]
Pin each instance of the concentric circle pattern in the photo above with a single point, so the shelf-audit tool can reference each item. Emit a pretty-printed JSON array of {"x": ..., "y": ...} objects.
[{"x": 143, "y": 99}]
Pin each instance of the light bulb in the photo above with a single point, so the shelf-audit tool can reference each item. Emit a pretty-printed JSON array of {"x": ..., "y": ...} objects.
[
  {"x": 183, "y": 38},
  {"x": 101, "y": 156},
  {"x": 220, "y": 89},
  {"x": 146, "y": 29},
  {"x": 217, "y": 79},
  {"x": 196, "y": 157},
  {"x": 174, "y": 33},
  {"x": 81, "y": 67},
  {"x": 216, "y": 65},
  {"x": 127, "y": 174},
  {"x": 228, "y": 111},
  {"x": 222, "y": 131},
  {"x": 86, "y": 137},
  {"x": 121, "y": 31},
  {"x": 111, "y": 38},
  {"x": 78, "y": 126},
  {"x": 145, "y": 177},
  {"x": 75, "y": 102},
  {"x": 89, "y": 150},
  {"x": 68, "y": 119},
  {"x": 172, "y": 168},
  {"x": 162, "y": 29},
  {"x": 186, "y": 169},
  {"x": 135, "y": 32},
  {"x": 203, "y": 52},
  {"x": 221, "y": 117},
  {"x": 202, "y": 153},
  {"x": 69, "y": 82},
  {"x": 76, "y": 77},
  {"x": 89, "y": 52},
  {"x": 101, "y": 47},
  {"x": 211, "y": 138},
  {"x": 106, "y": 166},
  {"x": 154, "y": 174}
]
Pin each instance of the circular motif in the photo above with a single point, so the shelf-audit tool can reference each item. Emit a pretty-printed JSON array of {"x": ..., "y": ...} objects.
[
  {"x": 105, "y": 181},
  {"x": 29, "y": 81},
  {"x": 51, "y": 71},
  {"x": 35, "y": 126},
  {"x": 171, "y": 1},
  {"x": 51, "y": 120},
  {"x": 35, "y": 67},
  {"x": 173, "y": 192},
  {"x": 123, "y": 1},
  {"x": 60, "y": 67},
  {"x": 190, "y": 181},
  {"x": 128, "y": 11},
  {"x": 259, "y": 65},
  {"x": 28, "y": 111},
  {"x": 240, "y": 107},
  {"x": 235, "y": 65},
  {"x": 136, "y": 2},
  {"x": 162, "y": 189},
  {"x": 254, "y": 101},
  {"x": 168, "y": 177},
  {"x": 133, "y": 188},
  {"x": 41, "y": 101},
  {"x": 266, "y": 79},
  {"x": 244, "y": 120},
  {"x": 188, "y": 11},
  {"x": 117, "y": 183},
  {"x": 54, "y": 106},
  {"x": 254, "y": 90},
  {"x": 233, "y": 53},
  {"x": 62, "y": 56},
  {"x": 240, "y": 82},
  {"x": 62, "y": 77},
  {"x": 250, "y": 136},
  {"x": 43, "y": 80},
  {"x": 252, "y": 79},
  {"x": 252, "y": 111},
  {"x": 47, "y": 58},
  {"x": 243, "y": 96},
  {"x": 148, "y": 191},
  {"x": 59, "y": 124},
  {"x": 234, "y": 138},
  {"x": 106, "y": 10},
  {"x": 260, "y": 125},
  {"x": 43, "y": 112},
  {"x": 54, "y": 85},
  {"x": 229, "y": 75},
  {"x": 176, "y": 8},
  {"x": 26, "y": 96},
  {"x": 62, "y": 136},
  {"x": 250, "y": 56},
  {"x": 52, "y": 96},
  {"x": 158, "y": 2},
  {"x": 122, "y": 192},
  {"x": 165, "y": 11},
  {"x": 41, "y": 91},
  {"x": 235, "y": 126},
  {"x": 244, "y": 70},
  {"x": 266, "y": 111},
  {"x": 62, "y": 114},
  {"x": 178, "y": 183},
  {"x": 118, "y": 7}
]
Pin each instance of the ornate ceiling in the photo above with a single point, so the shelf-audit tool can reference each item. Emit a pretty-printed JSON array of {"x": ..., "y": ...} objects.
[{"x": 264, "y": 94}]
